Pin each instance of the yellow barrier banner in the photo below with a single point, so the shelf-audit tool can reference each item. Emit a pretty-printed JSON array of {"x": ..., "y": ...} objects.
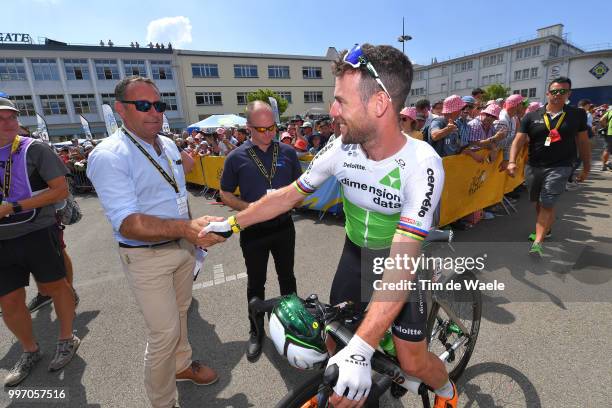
[
  {"x": 213, "y": 169},
  {"x": 196, "y": 175},
  {"x": 469, "y": 186},
  {"x": 519, "y": 175}
]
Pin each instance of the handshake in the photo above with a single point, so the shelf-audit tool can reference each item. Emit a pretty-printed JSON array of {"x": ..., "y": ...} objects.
[{"x": 207, "y": 231}]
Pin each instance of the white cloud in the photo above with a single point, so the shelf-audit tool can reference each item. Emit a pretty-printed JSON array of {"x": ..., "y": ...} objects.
[{"x": 176, "y": 30}]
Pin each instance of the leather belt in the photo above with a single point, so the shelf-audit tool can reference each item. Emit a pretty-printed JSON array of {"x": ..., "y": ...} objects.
[{"x": 122, "y": 245}]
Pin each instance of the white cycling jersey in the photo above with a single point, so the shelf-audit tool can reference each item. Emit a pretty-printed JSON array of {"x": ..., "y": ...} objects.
[{"x": 396, "y": 195}]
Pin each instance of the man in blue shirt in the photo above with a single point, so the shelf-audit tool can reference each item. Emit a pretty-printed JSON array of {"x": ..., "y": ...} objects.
[
  {"x": 258, "y": 167},
  {"x": 140, "y": 181}
]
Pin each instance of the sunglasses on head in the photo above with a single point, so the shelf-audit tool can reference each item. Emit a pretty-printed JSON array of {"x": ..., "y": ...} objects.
[
  {"x": 261, "y": 129},
  {"x": 356, "y": 59},
  {"x": 558, "y": 91},
  {"x": 145, "y": 106}
]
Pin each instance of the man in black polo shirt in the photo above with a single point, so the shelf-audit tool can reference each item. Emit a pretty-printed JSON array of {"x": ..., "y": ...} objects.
[
  {"x": 552, "y": 132},
  {"x": 259, "y": 166}
]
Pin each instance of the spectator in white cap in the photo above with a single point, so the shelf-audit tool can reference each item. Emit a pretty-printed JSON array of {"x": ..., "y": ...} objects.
[
  {"x": 225, "y": 146},
  {"x": 444, "y": 134}
]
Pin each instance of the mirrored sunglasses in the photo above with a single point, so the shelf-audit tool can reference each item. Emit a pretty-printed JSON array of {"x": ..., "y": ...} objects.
[{"x": 356, "y": 59}]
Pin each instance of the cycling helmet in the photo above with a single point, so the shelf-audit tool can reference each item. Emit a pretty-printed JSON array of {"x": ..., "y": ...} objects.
[{"x": 296, "y": 334}]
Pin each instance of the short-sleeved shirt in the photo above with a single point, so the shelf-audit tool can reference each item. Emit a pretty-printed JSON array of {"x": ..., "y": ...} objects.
[
  {"x": 240, "y": 170},
  {"x": 43, "y": 165},
  {"x": 558, "y": 154},
  {"x": 398, "y": 194},
  {"x": 608, "y": 116},
  {"x": 477, "y": 132},
  {"x": 128, "y": 183},
  {"x": 452, "y": 143}
]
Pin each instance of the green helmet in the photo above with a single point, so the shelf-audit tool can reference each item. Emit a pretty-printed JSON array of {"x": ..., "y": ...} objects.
[{"x": 296, "y": 334}]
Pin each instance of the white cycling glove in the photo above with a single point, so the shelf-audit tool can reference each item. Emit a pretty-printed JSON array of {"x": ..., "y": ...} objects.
[
  {"x": 217, "y": 226},
  {"x": 354, "y": 369}
]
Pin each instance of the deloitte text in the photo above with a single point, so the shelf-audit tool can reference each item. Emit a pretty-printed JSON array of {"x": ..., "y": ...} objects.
[{"x": 384, "y": 198}]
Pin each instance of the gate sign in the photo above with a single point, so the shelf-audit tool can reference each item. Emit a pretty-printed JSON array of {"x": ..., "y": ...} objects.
[
  {"x": 15, "y": 38},
  {"x": 599, "y": 70}
]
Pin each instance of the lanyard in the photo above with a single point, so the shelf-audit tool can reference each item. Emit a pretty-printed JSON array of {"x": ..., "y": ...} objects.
[
  {"x": 6, "y": 187},
  {"x": 547, "y": 121},
  {"x": 159, "y": 168},
  {"x": 260, "y": 165}
]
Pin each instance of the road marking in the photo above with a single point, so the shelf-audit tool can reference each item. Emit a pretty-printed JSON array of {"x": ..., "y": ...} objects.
[{"x": 219, "y": 278}]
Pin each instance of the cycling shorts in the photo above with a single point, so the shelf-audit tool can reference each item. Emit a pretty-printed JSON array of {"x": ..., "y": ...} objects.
[{"x": 354, "y": 281}]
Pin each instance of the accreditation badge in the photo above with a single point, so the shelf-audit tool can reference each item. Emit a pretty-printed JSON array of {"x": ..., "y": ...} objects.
[{"x": 181, "y": 202}]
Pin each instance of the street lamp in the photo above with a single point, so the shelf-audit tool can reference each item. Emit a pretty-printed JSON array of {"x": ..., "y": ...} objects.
[{"x": 403, "y": 38}]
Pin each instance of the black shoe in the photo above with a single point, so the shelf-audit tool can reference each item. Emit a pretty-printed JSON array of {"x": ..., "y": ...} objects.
[
  {"x": 254, "y": 347},
  {"x": 39, "y": 301}
]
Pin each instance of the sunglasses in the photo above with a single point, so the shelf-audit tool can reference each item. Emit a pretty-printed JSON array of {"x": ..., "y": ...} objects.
[
  {"x": 356, "y": 59},
  {"x": 556, "y": 92},
  {"x": 260, "y": 129},
  {"x": 145, "y": 106}
]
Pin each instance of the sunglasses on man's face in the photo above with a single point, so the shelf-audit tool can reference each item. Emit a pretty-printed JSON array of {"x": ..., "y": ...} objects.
[
  {"x": 261, "y": 129},
  {"x": 556, "y": 92},
  {"x": 356, "y": 59},
  {"x": 145, "y": 106}
]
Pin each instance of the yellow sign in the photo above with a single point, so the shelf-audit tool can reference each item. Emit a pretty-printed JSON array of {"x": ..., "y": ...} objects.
[{"x": 196, "y": 175}]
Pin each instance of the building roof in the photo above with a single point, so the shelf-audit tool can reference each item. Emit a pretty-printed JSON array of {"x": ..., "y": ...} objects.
[
  {"x": 251, "y": 55},
  {"x": 87, "y": 48}
]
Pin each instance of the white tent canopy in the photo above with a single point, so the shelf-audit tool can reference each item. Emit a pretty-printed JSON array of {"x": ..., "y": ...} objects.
[{"x": 217, "y": 121}]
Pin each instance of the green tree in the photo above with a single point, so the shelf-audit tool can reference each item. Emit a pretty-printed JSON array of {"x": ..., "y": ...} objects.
[
  {"x": 264, "y": 94},
  {"x": 496, "y": 91}
]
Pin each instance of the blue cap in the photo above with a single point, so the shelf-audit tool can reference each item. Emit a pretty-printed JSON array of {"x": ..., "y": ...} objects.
[{"x": 468, "y": 99}]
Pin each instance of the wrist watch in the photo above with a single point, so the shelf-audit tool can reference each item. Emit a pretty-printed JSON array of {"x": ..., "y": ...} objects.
[{"x": 16, "y": 207}]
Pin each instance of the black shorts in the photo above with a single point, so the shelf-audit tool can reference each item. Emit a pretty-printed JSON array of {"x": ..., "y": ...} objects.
[
  {"x": 354, "y": 281},
  {"x": 38, "y": 253}
]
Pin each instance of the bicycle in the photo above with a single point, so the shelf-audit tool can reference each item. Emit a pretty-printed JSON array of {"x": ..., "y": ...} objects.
[{"x": 452, "y": 329}]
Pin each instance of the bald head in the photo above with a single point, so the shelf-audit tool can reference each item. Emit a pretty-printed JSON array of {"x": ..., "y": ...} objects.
[{"x": 258, "y": 109}]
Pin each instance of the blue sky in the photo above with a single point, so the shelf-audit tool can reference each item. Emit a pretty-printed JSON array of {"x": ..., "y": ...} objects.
[{"x": 308, "y": 27}]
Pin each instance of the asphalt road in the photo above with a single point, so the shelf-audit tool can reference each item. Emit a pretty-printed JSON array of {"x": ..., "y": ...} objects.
[{"x": 545, "y": 341}]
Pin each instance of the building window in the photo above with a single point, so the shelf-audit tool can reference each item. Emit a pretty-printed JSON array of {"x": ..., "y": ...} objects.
[
  {"x": 205, "y": 70},
  {"x": 526, "y": 73},
  {"x": 444, "y": 71},
  {"x": 278, "y": 71},
  {"x": 442, "y": 87},
  {"x": 24, "y": 104},
  {"x": 498, "y": 78},
  {"x": 12, "y": 69},
  {"x": 76, "y": 69},
  {"x": 45, "y": 69},
  {"x": 108, "y": 98},
  {"x": 534, "y": 72},
  {"x": 519, "y": 54},
  {"x": 286, "y": 95},
  {"x": 208, "y": 98},
  {"x": 313, "y": 97},
  {"x": 170, "y": 99},
  {"x": 161, "y": 70},
  {"x": 516, "y": 92},
  {"x": 464, "y": 66},
  {"x": 245, "y": 71},
  {"x": 53, "y": 104},
  {"x": 468, "y": 83},
  {"x": 134, "y": 67},
  {"x": 527, "y": 52},
  {"x": 419, "y": 75},
  {"x": 312, "y": 72},
  {"x": 107, "y": 69},
  {"x": 485, "y": 80},
  {"x": 457, "y": 85},
  {"x": 524, "y": 93},
  {"x": 84, "y": 103},
  {"x": 554, "y": 50},
  {"x": 241, "y": 98},
  {"x": 532, "y": 92},
  {"x": 417, "y": 92},
  {"x": 536, "y": 50}
]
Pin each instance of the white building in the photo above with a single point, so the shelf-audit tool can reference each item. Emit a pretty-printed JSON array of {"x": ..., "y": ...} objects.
[
  {"x": 218, "y": 82},
  {"x": 61, "y": 82},
  {"x": 525, "y": 67}
]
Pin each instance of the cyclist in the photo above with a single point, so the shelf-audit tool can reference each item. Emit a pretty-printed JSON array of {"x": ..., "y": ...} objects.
[{"x": 391, "y": 186}]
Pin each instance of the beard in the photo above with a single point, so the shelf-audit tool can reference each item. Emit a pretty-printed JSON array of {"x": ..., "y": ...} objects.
[{"x": 357, "y": 133}]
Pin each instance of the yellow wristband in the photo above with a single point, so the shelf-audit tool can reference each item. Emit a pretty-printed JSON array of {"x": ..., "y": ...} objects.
[{"x": 234, "y": 224}]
